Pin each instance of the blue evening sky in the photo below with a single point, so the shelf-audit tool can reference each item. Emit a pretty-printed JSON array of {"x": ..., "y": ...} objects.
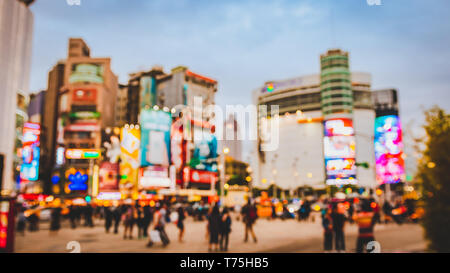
[{"x": 403, "y": 43}]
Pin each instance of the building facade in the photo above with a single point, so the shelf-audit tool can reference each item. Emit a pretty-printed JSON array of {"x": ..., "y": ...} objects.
[
  {"x": 16, "y": 33},
  {"x": 305, "y": 104},
  {"x": 87, "y": 102}
]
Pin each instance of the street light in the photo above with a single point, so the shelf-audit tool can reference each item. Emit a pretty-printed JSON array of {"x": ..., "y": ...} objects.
[{"x": 225, "y": 151}]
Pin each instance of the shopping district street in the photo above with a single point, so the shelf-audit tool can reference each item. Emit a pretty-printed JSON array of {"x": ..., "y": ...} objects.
[{"x": 288, "y": 236}]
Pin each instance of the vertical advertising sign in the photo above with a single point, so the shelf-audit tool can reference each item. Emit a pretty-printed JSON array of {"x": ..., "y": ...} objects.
[
  {"x": 147, "y": 91},
  {"x": 108, "y": 177},
  {"x": 155, "y": 138},
  {"x": 339, "y": 151},
  {"x": 29, "y": 170},
  {"x": 389, "y": 150},
  {"x": 129, "y": 155},
  {"x": 205, "y": 151},
  {"x": 178, "y": 148}
]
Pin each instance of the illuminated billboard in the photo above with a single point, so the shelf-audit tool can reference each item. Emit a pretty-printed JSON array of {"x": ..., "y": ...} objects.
[
  {"x": 389, "y": 150},
  {"x": 84, "y": 72},
  {"x": 339, "y": 146},
  {"x": 155, "y": 137},
  {"x": 339, "y": 127},
  {"x": 108, "y": 177},
  {"x": 205, "y": 150},
  {"x": 154, "y": 177},
  {"x": 130, "y": 139},
  {"x": 29, "y": 169},
  {"x": 82, "y": 153},
  {"x": 340, "y": 151}
]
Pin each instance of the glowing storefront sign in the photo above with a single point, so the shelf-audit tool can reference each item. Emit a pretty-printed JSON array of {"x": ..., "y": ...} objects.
[
  {"x": 155, "y": 137},
  {"x": 29, "y": 170},
  {"x": 389, "y": 150},
  {"x": 82, "y": 153},
  {"x": 130, "y": 139},
  {"x": 340, "y": 151}
]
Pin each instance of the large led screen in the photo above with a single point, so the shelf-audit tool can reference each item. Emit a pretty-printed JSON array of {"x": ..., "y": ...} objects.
[
  {"x": 389, "y": 150},
  {"x": 155, "y": 137},
  {"x": 29, "y": 170}
]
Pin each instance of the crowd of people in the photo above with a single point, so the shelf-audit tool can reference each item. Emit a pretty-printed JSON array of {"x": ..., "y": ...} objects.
[{"x": 151, "y": 221}]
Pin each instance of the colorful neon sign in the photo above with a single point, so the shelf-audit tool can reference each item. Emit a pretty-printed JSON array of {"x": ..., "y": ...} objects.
[
  {"x": 389, "y": 150},
  {"x": 82, "y": 153},
  {"x": 29, "y": 170}
]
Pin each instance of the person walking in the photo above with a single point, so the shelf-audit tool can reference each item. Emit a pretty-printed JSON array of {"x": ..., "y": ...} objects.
[
  {"x": 249, "y": 216},
  {"x": 72, "y": 216},
  {"x": 225, "y": 229},
  {"x": 327, "y": 224},
  {"x": 365, "y": 219},
  {"x": 338, "y": 222},
  {"x": 21, "y": 221},
  {"x": 140, "y": 221},
  {"x": 213, "y": 228},
  {"x": 128, "y": 221},
  {"x": 180, "y": 222},
  {"x": 108, "y": 215},
  {"x": 88, "y": 212},
  {"x": 55, "y": 219},
  {"x": 117, "y": 215},
  {"x": 159, "y": 225}
]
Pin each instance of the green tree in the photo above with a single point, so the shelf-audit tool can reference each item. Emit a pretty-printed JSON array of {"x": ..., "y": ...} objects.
[{"x": 434, "y": 174}]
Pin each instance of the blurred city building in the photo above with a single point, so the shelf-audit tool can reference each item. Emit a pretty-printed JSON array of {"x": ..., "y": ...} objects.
[
  {"x": 16, "y": 33},
  {"x": 87, "y": 102},
  {"x": 306, "y": 103},
  {"x": 231, "y": 139}
]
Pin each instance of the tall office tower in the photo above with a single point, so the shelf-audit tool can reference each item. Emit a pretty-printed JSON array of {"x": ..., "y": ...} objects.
[
  {"x": 335, "y": 85},
  {"x": 230, "y": 138},
  {"x": 16, "y": 32},
  {"x": 87, "y": 102}
]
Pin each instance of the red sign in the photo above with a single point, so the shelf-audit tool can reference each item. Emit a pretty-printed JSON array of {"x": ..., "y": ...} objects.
[
  {"x": 84, "y": 95},
  {"x": 108, "y": 180},
  {"x": 198, "y": 176},
  {"x": 85, "y": 127},
  {"x": 7, "y": 225}
]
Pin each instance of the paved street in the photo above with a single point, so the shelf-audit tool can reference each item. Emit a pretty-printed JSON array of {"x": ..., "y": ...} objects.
[{"x": 273, "y": 236}]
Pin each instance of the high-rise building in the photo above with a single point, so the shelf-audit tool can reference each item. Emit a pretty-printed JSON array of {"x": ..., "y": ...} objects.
[
  {"x": 323, "y": 118},
  {"x": 87, "y": 102},
  {"x": 155, "y": 87},
  {"x": 16, "y": 32},
  {"x": 231, "y": 139}
]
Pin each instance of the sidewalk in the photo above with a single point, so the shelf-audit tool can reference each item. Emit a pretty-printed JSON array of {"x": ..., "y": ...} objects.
[{"x": 273, "y": 236}]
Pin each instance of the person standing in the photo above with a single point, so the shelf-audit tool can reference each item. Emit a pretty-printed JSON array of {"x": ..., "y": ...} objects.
[
  {"x": 108, "y": 214},
  {"x": 140, "y": 221},
  {"x": 249, "y": 216},
  {"x": 327, "y": 224},
  {"x": 213, "y": 228},
  {"x": 180, "y": 223},
  {"x": 338, "y": 222},
  {"x": 159, "y": 224},
  {"x": 365, "y": 219},
  {"x": 225, "y": 229}
]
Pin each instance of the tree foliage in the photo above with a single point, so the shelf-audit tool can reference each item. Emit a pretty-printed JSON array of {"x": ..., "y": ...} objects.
[{"x": 434, "y": 174}]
